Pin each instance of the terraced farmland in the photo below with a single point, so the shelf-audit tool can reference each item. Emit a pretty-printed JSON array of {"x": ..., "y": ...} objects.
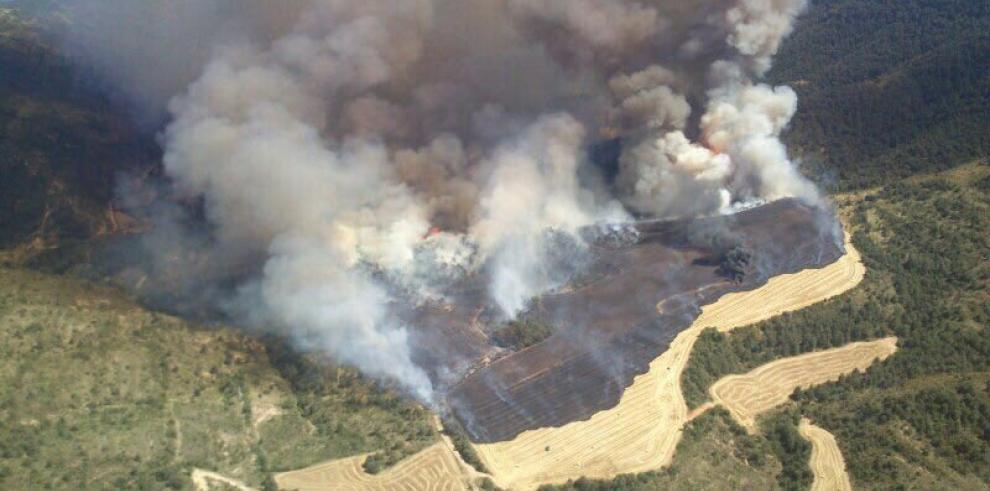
[
  {"x": 748, "y": 395},
  {"x": 435, "y": 468}
]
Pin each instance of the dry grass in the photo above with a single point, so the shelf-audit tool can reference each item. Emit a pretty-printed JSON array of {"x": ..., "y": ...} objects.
[
  {"x": 642, "y": 431},
  {"x": 826, "y": 460},
  {"x": 748, "y": 395},
  {"x": 435, "y": 468}
]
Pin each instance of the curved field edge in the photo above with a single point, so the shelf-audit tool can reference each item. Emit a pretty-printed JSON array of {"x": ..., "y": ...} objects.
[
  {"x": 201, "y": 480},
  {"x": 438, "y": 467},
  {"x": 827, "y": 463},
  {"x": 435, "y": 468},
  {"x": 642, "y": 431},
  {"x": 747, "y": 396}
]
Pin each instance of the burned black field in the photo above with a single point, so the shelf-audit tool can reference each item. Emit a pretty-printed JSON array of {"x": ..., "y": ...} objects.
[{"x": 608, "y": 325}]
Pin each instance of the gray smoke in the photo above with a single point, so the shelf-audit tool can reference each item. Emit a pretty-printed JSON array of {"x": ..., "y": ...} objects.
[{"x": 365, "y": 147}]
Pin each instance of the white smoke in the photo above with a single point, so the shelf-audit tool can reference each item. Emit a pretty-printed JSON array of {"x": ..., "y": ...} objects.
[
  {"x": 533, "y": 189},
  {"x": 369, "y": 147}
]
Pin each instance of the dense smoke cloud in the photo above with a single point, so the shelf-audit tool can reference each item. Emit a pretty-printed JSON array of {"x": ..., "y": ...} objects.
[{"x": 376, "y": 151}]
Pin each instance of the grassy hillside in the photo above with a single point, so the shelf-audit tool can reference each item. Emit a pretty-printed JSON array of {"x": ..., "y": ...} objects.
[
  {"x": 101, "y": 394},
  {"x": 887, "y": 89}
]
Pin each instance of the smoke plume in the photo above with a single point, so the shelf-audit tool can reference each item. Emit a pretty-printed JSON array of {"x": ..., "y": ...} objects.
[{"x": 368, "y": 152}]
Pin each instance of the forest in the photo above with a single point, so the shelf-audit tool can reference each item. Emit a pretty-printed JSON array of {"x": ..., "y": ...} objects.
[
  {"x": 887, "y": 89},
  {"x": 717, "y": 453}
]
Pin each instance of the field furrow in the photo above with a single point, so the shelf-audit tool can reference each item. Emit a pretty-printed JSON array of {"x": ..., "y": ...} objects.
[
  {"x": 434, "y": 468},
  {"x": 748, "y": 395},
  {"x": 826, "y": 460}
]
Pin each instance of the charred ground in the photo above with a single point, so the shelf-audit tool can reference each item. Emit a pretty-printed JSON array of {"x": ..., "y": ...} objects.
[{"x": 606, "y": 329}]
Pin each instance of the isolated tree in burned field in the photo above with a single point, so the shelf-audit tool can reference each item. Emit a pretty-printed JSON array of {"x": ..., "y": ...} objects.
[
  {"x": 725, "y": 248},
  {"x": 734, "y": 262}
]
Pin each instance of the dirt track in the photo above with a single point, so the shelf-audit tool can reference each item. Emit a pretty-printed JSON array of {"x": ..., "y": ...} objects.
[
  {"x": 826, "y": 460},
  {"x": 748, "y": 395},
  {"x": 435, "y": 468},
  {"x": 201, "y": 479},
  {"x": 642, "y": 431}
]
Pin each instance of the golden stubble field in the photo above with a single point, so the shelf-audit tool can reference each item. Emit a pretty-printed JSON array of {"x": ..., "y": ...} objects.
[
  {"x": 748, "y": 395},
  {"x": 826, "y": 460},
  {"x": 751, "y": 394}
]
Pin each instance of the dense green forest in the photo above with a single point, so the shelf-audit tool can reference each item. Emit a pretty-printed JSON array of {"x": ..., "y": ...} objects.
[{"x": 887, "y": 89}]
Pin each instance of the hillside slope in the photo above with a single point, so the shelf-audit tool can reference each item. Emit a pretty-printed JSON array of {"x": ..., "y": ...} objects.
[
  {"x": 102, "y": 394},
  {"x": 62, "y": 145},
  {"x": 887, "y": 89}
]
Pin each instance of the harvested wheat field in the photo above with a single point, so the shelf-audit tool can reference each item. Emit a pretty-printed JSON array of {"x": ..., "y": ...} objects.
[
  {"x": 642, "y": 431},
  {"x": 748, "y": 395},
  {"x": 826, "y": 460},
  {"x": 435, "y": 468}
]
